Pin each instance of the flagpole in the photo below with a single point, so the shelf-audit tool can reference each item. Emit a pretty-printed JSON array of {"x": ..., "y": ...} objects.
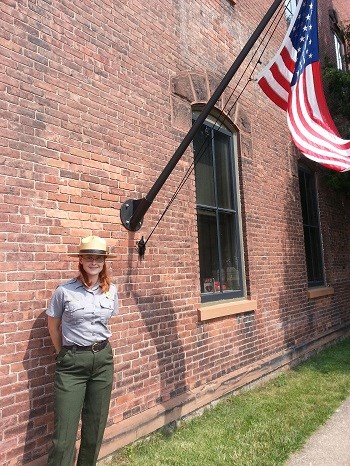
[{"x": 133, "y": 210}]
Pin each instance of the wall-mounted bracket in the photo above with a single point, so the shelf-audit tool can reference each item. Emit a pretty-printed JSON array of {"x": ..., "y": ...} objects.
[{"x": 127, "y": 211}]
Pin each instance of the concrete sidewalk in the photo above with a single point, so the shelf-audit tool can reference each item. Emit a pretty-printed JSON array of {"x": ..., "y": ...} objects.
[{"x": 330, "y": 445}]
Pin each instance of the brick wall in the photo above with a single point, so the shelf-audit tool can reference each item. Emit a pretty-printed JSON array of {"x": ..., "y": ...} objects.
[
  {"x": 342, "y": 7},
  {"x": 90, "y": 114}
]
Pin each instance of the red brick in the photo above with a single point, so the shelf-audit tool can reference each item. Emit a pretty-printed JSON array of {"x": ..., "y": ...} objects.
[{"x": 89, "y": 119}]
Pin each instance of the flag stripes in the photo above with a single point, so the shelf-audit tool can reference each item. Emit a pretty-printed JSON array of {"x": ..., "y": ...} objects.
[{"x": 292, "y": 80}]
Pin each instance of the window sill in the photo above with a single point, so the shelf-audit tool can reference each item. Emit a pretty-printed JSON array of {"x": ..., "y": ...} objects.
[
  {"x": 228, "y": 308},
  {"x": 320, "y": 291}
]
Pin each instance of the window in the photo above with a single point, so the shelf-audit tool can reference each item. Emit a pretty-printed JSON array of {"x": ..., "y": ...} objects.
[
  {"x": 219, "y": 233},
  {"x": 311, "y": 223},
  {"x": 339, "y": 51},
  {"x": 338, "y": 39},
  {"x": 290, "y": 8}
]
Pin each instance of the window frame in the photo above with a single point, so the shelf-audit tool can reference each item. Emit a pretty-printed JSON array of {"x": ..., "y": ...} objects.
[
  {"x": 314, "y": 226},
  {"x": 212, "y": 124},
  {"x": 290, "y": 6},
  {"x": 338, "y": 40},
  {"x": 339, "y": 50}
]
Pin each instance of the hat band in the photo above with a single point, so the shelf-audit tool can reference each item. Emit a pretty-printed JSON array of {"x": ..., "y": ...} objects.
[{"x": 93, "y": 251}]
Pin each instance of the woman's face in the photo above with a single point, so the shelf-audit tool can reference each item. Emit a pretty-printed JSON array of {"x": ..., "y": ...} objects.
[{"x": 92, "y": 264}]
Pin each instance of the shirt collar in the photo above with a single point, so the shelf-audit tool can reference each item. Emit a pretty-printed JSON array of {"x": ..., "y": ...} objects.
[{"x": 80, "y": 284}]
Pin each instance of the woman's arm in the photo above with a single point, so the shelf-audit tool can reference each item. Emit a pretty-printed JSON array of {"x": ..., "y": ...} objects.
[{"x": 54, "y": 326}]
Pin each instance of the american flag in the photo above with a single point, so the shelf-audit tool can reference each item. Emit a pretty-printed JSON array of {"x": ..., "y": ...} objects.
[{"x": 292, "y": 80}]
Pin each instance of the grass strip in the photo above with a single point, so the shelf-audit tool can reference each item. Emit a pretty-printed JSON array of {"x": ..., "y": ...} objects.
[{"x": 259, "y": 427}]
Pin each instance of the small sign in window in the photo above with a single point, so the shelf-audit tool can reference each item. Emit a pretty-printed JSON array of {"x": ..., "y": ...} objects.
[{"x": 209, "y": 285}]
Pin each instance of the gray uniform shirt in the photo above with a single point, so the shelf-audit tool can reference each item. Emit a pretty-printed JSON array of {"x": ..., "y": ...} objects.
[{"x": 84, "y": 312}]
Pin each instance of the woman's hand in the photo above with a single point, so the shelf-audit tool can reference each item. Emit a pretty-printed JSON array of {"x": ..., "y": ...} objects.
[{"x": 54, "y": 326}]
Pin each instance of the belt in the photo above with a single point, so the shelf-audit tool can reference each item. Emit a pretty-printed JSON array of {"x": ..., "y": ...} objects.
[{"x": 95, "y": 347}]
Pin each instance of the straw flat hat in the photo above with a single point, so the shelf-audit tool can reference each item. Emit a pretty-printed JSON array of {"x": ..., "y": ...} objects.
[{"x": 93, "y": 245}]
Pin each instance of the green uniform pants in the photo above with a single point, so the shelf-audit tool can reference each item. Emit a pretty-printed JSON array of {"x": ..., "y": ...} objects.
[{"x": 83, "y": 385}]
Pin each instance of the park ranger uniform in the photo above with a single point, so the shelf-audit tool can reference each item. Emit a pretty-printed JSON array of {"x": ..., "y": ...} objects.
[{"x": 84, "y": 370}]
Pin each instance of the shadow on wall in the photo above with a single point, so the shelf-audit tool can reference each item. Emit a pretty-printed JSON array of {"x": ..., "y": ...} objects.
[
  {"x": 295, "y": 321},
  {"x": 156, "y": 372},
  {"x": 39, "y": 363}
]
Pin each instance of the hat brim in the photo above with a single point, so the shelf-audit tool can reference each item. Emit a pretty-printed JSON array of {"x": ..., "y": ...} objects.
[{"x": 106, "y": 256}]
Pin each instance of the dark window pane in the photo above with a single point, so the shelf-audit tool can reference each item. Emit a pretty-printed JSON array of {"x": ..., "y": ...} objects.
[
  {"x": 208, "y": 251},
  {"x": 223, "y": 170},
  {"x": 315, "y": 245},
  {"x": 312, "y": 211},
  {"x": 204, "y": 169},
  {"x": 229, "y": 274}
]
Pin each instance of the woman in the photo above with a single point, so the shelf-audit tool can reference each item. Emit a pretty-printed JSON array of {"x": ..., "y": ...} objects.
[{"x": 78, "y": 315}]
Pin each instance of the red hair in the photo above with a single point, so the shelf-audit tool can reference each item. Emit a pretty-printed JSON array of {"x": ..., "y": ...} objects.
[{"x": 103, "y": 277}]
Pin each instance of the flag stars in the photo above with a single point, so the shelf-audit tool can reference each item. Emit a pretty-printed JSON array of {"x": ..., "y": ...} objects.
[{"x": 303, "y": 35}]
